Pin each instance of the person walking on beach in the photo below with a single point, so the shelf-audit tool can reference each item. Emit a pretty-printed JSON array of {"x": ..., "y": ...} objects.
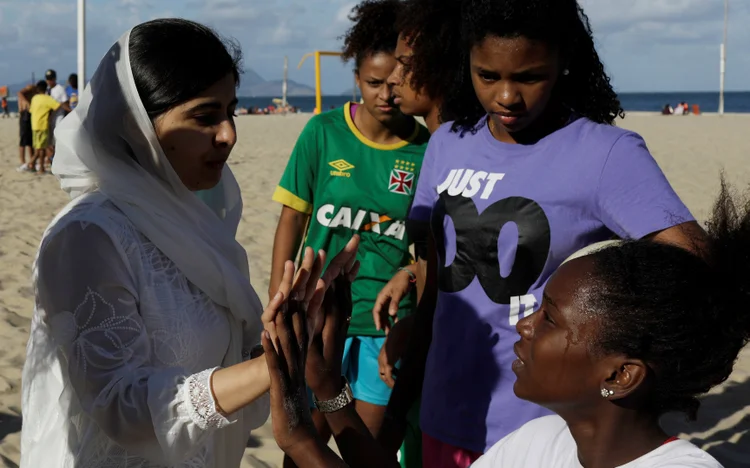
[
  {"x": 143, "y": 340},
  {"x": 25, "y": 145},
  {"x": 533, "y": 111},
  {"x": 354, "y": 170},
  {"x": 42, "y": 110},
  {"x": 57, "y": 91},
  {"x": 4, "y": 105},
  {"x": 72, "y": 90}
]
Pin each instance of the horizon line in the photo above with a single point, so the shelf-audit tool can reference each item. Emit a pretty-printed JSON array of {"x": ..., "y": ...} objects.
[{"x": 618, "y": 92}]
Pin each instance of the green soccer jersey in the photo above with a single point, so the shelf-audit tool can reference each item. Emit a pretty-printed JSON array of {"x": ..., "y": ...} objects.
[{"x": 349, "y": 184}]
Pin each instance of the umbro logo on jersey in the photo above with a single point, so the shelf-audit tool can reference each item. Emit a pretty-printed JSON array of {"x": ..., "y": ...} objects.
[{"x": 342, "y": 167}]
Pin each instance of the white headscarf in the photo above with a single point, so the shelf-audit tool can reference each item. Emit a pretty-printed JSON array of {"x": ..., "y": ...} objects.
[{"x": 108, "y": 143}]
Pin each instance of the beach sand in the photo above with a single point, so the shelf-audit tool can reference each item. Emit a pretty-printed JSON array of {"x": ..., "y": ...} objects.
[{"x": 691, "y": 150}]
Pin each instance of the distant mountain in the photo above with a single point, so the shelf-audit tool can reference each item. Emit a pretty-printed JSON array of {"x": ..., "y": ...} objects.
[
  {"x": 250, "y": 78},
  {"x": 254, "y": 85},
  {"x": 350, "y": 91},
  {"x": 14, "y": 88},
  {"x": 251, "y": 85},
  {"x": 273, "y": 89}
]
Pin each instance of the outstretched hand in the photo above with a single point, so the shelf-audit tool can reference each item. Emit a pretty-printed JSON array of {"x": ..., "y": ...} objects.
[
  {"x": 309, "y": 286},
  {"x": 293, "y": 427},
  {"x": 288, "y": 321},
  {"x": 327, "y": 342}
]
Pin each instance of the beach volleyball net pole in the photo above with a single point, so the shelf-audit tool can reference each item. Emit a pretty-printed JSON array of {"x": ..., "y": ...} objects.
[
  {"x": 81, "y": 44},
  {"x": 723, "y": 58},
  {"x": 317, "y": 54}
]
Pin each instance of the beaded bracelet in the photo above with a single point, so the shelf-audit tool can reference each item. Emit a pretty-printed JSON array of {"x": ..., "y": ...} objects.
[{"x": 412, "y": 276}]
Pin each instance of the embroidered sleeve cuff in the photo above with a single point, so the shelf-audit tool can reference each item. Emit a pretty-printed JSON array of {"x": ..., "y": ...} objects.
[
  {"x": 201, "y": 403},
  {"x": 285, "y": 197}
]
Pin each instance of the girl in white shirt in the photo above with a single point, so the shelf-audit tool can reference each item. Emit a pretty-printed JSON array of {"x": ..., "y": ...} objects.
[
  {"x": 141, "y": 347},
  {"x": 624, "y": 335}
]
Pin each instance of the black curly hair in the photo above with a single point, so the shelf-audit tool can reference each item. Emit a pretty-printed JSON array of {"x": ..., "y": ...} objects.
[
  {"x": 374, "y": 30},
  {"x": 586, "y": 90},
  {"x": 685, "y": 318},
  {"x": 433, "y": 31}
]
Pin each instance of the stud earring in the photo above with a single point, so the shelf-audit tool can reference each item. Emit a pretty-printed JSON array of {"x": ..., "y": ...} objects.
[
  {"x": 566, "y": 72},
  {"x": 607, "y": 393}
]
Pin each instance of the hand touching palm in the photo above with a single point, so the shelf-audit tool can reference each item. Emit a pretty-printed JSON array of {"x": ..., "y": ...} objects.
[{"x": 290, "y": 319}]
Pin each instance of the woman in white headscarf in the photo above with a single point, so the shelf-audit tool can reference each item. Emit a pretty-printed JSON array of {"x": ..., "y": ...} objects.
[{"x": 141, "y": 343}]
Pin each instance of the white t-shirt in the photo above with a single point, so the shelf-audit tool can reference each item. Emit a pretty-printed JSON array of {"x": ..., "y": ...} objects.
[
  {"x": 58, "y": 94},
  {"x": 547, "y": 443}
]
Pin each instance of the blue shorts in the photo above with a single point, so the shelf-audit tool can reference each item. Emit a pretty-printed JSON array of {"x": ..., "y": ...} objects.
[{"x": 360, "y": 367}]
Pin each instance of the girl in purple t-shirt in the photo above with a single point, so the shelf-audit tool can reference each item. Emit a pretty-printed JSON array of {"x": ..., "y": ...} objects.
[{"x": 531, "y": 170}]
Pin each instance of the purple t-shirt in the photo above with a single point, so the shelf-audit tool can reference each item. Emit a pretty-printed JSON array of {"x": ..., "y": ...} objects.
[{"x": 504, "y": 217}]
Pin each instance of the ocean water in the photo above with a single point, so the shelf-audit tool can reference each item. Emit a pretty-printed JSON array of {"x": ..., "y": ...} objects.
[
  {"x": 708, "y": 102},
  {"x": 654, "y": 102},
  {"x": 650, "y": 102}
]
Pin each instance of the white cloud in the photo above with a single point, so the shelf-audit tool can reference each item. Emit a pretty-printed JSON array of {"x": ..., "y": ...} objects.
[
  {"x": 134, "y": 6},
  {"x": 669, "y": 44},
  {"x": 342, "y": 15}
]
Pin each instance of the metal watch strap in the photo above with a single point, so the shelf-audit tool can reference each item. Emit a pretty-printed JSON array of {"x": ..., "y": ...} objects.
[{"x": 341, "y": 401}]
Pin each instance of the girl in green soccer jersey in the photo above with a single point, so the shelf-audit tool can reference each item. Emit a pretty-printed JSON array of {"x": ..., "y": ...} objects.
[{"x": 355, "y": 169}]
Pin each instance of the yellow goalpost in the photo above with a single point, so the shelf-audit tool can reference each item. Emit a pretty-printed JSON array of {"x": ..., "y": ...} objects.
[{"x": 317, "y": 54}]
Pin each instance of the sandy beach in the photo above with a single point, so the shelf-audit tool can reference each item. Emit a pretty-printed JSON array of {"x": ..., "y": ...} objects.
[{"x": 691, "y": 150}]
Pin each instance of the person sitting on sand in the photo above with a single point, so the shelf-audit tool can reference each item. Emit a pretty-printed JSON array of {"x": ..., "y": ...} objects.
[
  {"x": 611, "y": 348},
  {"x": 142, "y": 340}
]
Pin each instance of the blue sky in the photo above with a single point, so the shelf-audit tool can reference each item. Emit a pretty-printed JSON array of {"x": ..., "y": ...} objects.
[{"x": 647, "y": 45}]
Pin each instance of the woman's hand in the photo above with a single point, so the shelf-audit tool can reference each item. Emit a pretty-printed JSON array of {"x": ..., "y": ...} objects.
[
  {"x": 323, "y": 370},
  {"x": 301, "y": 288},
  {"x": 386, "y": 304},
  {"x": 293, "y": 427},
  {"x": 309, "y": 287},
  {"x": 393, "y": 348}
]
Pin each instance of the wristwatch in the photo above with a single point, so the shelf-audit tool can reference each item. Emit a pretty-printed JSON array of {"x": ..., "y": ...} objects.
[{"x": 340, "y": 402}]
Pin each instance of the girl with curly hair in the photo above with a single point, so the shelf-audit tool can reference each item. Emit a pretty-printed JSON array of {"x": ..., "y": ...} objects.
[
  {"x": 530, "y": 170},
  {"x": 355, "y": 170}
]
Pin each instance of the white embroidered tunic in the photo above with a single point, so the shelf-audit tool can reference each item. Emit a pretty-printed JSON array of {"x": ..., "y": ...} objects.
[{"x": 121, "y": 352}]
